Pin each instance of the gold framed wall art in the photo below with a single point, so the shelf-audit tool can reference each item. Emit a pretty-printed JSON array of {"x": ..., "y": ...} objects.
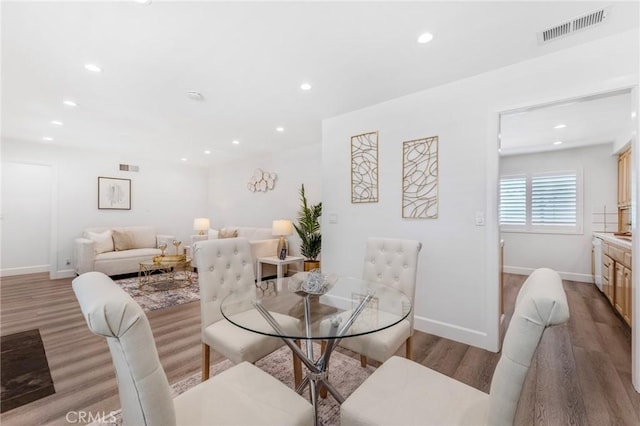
[
  {"x": 420, "y": 178},
  {"x": 364, "y": 168}
]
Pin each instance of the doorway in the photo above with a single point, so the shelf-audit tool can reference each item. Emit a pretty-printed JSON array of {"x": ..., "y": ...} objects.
[{"x": 26, "y": 218}]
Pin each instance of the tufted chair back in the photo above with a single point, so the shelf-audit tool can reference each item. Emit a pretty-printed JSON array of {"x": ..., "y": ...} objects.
[
  {"x": 224, "y": 266},
  {"x": 541, "y": 302},
  {"x": 142, "y": 384},
  {"x": 393, "y": 262}
]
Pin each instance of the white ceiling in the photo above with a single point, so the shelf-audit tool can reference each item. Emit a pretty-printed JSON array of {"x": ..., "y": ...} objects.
[
  {"x": 589, "y": 121},
  {"x": 248, "y": 60}
]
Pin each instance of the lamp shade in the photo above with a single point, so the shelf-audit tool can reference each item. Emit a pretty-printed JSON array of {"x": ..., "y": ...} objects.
[
  {"x": 282, "y": 227},
  {"x": 201, "y": 223}
]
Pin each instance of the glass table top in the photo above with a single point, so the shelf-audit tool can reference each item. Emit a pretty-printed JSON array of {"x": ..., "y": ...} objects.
[{"x": 380, "y": 306}]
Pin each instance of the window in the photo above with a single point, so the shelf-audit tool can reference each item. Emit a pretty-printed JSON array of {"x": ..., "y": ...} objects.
[{"x": 541, "y": 202}]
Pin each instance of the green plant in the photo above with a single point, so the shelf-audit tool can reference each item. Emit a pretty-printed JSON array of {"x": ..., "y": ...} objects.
[{"x": 308, "y": 227}]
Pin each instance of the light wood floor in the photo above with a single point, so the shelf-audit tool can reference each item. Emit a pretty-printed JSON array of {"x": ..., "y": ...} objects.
[{"x": 581, "y": 374}]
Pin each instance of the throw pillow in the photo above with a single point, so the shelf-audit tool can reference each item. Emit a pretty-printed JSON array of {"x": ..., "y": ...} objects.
[
  {"x": 227, "y": 233},
  {"x": 102, "y": 241},
  {"x": 122, "y": 240}
]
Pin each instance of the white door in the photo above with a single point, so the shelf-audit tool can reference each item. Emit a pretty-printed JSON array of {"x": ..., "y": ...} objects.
[{"x": 26, "y": 218}]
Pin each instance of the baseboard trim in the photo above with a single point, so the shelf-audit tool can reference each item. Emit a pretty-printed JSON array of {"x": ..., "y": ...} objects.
[
  {"x": 571, "y": 276},
  {"x": 65, "y": 273},
  {"x": 9, "y": 272},
  {"x": 449, "y": 331}
]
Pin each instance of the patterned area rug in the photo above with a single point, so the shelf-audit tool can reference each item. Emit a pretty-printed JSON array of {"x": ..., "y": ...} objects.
[
  {"x": 161, "y": 293},
  {"x": 346, "y": 375}
]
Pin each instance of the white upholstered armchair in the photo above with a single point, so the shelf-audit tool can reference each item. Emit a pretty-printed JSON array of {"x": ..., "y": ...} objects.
[
  {"x": 225, "y": 265},
  {"x": 393, "y": 262},
  {"x": 244, "y": 394},
  {"x": 403, "y": 392}
]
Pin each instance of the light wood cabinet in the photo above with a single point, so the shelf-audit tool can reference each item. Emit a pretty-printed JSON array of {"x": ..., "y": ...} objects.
[
  {"x": 618, "y": 290},
  {"x": 628, "y": 279},
  {"x": 624, "y": 179},
  {"x": 617, "y": 278},
  {"x": 608, "y": 277}
]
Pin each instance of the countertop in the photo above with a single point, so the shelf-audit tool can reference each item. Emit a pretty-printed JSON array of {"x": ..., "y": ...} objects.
[{"x": 609, "y": 237}]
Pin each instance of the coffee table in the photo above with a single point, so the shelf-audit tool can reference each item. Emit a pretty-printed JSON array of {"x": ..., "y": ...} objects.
[
  {"x": 353, "y": 307},
  {"x": 168, "y": 266}
]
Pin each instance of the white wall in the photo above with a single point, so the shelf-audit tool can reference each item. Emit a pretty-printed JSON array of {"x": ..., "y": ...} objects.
[
  {"x": 569, "y": 254},
  {"x": 167, "y": 196},
  {"x": 457, "y": 294},
  {"x": 232, "y": 204}
]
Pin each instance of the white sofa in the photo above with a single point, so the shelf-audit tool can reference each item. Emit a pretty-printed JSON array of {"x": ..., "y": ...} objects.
[
  {"x": 118, "y": 250},
  {"x": 263, "y": 244}
]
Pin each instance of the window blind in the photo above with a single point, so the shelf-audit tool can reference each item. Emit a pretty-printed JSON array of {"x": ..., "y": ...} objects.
[
  {"x": 541, "y": 202},
  {"x": 513, "y": 200},
  {"x": 554, "y": 199}
]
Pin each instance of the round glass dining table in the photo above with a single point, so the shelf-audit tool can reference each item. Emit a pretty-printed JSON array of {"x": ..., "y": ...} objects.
[{"x": 351, "y": 307}]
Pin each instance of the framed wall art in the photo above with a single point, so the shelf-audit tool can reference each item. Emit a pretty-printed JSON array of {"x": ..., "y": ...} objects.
[
  {"x": 364, "y": 168},
  {"x": 420, "y": 178},
  {"x": 114, "y": 193}
]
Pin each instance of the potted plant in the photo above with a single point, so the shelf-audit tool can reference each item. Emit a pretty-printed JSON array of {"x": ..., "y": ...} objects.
[{"x": 308, "y": 229}]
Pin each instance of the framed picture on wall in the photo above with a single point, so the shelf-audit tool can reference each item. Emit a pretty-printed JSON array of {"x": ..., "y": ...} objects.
[{"x": 114, "y": 193}]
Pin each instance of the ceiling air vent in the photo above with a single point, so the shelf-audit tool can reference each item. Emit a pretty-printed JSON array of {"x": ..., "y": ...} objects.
[{"x": 571, "y": 26}]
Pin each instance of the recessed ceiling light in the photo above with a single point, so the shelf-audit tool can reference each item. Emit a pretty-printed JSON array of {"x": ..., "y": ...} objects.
[
  {"x": 69, "y": 103},
  {"x": 183, "y": 159},
  {"x": 235, "y": 142},
  {"x": 633, "y": 114},
  {"x": 206, "y": 151},
  {"x": 47, "y": 138},
  {"x": 92, "y": 68},
  {"x": 560, "y": 126},
  {"x": 425, "y": 38},
  {"x": 279, "y": 129},
  {"x": 56, "y": 123},
  {"x": 195, "y": 95},
  {"x": 557, "y": 143},
  {"x": 145, "y": 2},
  {"x": 305, "y": 86}
]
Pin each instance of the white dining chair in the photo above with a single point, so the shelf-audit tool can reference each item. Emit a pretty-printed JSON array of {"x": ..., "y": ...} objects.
[
  {"x": 393, "y": 262},
  {"x": 241, "y": 395},
  {"x": 225, "y": 266},
  {"x": 402, "y": 392}
]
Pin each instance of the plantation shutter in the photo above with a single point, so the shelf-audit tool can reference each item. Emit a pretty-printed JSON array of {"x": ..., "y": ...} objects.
[
  {"x": 554, "y": 199},
  {"x": 513, "y": 200}
]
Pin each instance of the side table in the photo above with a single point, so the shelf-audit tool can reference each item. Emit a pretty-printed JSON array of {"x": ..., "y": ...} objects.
[{"x": 274, "y": 260}]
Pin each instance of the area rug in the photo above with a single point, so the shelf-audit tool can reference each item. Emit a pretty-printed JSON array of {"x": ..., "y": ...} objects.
[
  {"x": 24, "y": 372},
  {"x": 162, "y": 295},
  {"x": 345, "y": 374}
]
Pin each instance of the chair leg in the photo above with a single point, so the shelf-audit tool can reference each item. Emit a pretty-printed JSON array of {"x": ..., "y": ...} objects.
[
  {"x": 409, "y": 348},
  {"x": 206, "y": 352},
  {"x": 363, "y": 361},
  {"x": 297, "y": 368},
  {"x": 323, "y": 390}
]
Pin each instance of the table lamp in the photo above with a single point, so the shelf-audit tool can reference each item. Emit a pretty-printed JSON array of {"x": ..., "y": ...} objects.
[
  {"x": 281, "y": 228},
  {"x": 201, "y": 224}
]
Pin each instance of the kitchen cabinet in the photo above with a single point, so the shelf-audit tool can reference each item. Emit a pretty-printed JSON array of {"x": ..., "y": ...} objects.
[
  {"x": 628, "y": 279},
  {"x": 617, "y": 278},
  {"x": 608, "y": 276},
  {"x": 624, "y": 179}
]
